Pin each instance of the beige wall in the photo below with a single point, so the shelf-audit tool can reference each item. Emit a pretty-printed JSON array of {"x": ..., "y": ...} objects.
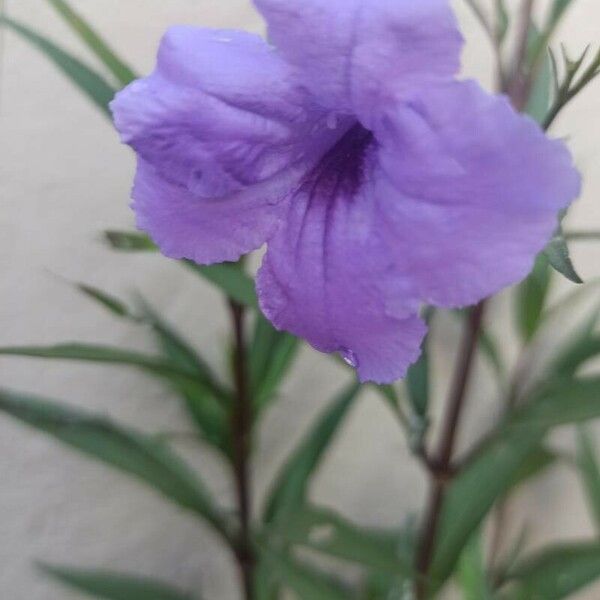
[{"x": 64, "y": 178}]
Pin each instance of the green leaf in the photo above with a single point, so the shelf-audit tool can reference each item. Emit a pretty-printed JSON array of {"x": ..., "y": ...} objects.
[
  {"x": 417, "y": 384},
  {"x": 558, "y": 572},
  {"x": 189, "y": 382},
  {"x": 113, "y": 586},
  {"x": 94, "y": 42},
  {"x": 230, "y": 279},
  {"x": 557, "y": 253},
  {"x": 511, "y": 557},
  {"x": 270, "y": 357},
  {"x": 105, "y": 354},
  {"x": 471, "y": 495},
  {"x": 266, "y": 586},
  {"x": 389, "y": 394},
  {"x": 562, "y": 402},
  {"x": 535, "y": 464},
  {"x": 417, "y": 377},
  {"x": 177, "y": 350},
  {"x": 129, "y": 241},
  {"x": 133, "y": 453},
  {"x": 589, "y": 471},
  {"x": 559, "y": 7},
  {"x": 290, "y": 487},
  {"x": 303, "y": 580},
  {"x": 540, "y": 99},
  {"x": 88, "y": 81},
  {"x": 326, "y": 532},
  {"x": 489, "y": 346},
  {"x": 581, "y": 345},
  {"x": 502, "y": 20},
  {"x": 531, "y": 299},
  {"x": 471, "y": 573},
  {"x": 206, "y": 400},
  {"x": 107, "y": 301}
]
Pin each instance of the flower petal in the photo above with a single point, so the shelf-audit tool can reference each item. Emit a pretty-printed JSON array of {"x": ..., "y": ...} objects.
[
  {"x": 469, "y": 192},
  {"x": 223, "y": 133},
  {"x": 327, "y": 277},
  {"x": 349, "y": 52},
  {"x": 220, "y": 112},
  {"x": 204, "y": 230}
]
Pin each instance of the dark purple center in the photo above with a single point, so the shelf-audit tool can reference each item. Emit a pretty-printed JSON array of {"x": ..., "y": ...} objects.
[{"x": 342, "y": 168}]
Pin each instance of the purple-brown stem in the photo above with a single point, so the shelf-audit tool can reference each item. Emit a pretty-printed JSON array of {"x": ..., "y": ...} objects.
[
  {"x": 241, "y": 428},
  {"x": 443, "y": 472}
]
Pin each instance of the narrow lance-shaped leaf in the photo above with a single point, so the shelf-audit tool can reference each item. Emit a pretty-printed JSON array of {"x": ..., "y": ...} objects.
[
  {"x": 389, "y": 394},
  {"x": 558, "y": 572},
  {"x": 86, "y": 79},
  {"x": 207, "y": 411},
  {"x": 230, "y": 279},
  {"x": 129, "y": 241},
  {"x": 179, "y": 351},
  {"x": 417, "y": 384},
  {"x": 489, "y": 347},
  {"x": 328, "y": 533},
  {"x": 511, "y": 556},
  {"x": 206, "y": 400},
  {"x": 589, "y": 470},
  {"x": 121, "y": 71},
  {"x": 534, "y": 465},
  {"x": 304, "y": 581},
  {"x": 502, "y": 20},
  {"x": 561, "y": 403},
  {"x": 134, "y": 453},
  {"x": 557, "y": 253},
  {"x": 558, "y": 9},
  {"x": 540, "y": 98},
  {"x": 531, "y": 298},
  {"x": 270, "y": 357},
  {"x": 581, "y": 344},
  {"x": 105, "y": 354},
  {"x": 471, "y": 574},
  {"x": 417, "y": 378},
  {"x": 113, "y": 586},
  {"x": 107, "y": 301},
  {"x": 290, "y": 487}
]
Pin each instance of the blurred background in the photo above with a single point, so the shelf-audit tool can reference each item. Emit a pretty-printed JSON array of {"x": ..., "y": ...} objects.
[{"x": 64, "y": 178}]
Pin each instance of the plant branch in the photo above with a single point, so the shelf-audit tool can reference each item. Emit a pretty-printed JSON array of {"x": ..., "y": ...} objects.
[
  {"x": 520, "y": 82},
  {"x": 495, "y": 33},
  {"x": 569, "y": 89},
  {"x": 241, "y": 428},
  {"x": 582, "y": 236},
  {"x": 482, "y": 18},
  {"x": 441, "y": 469}
]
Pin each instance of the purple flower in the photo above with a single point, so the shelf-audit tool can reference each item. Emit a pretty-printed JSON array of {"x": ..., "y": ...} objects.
[{"x": 378, "y": 181}]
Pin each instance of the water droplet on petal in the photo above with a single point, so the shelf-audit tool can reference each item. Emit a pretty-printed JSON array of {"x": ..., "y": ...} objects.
[
  {"x": 224, "y": 40},
  {"x": 349, "y": 357},
  {"x": 332, "y": 121}
]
